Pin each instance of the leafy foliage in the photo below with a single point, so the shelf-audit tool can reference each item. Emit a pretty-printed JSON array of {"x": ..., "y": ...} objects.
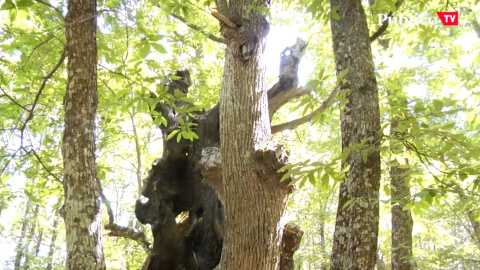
[{"x": 428, "y": 80}]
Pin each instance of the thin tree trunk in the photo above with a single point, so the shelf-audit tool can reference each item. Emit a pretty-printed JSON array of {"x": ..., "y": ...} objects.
[
  {"x": 380, "y": 263},
  {"x": 138, "y": 171},
  {"x": 30, "y": 236},
  {"x": 323, "y": 244},
  {"x": 39, "y": 242},
  {"x": 252, "y": 195},
  {"x": 51, "y": 251},
  {"x": 402, "y": 222},
  {"x": 2, "y": 205},
  {"x": 23, "y": 232},
  {"x": 356, "y": 226},
  {"x": 82, "y": 200}
]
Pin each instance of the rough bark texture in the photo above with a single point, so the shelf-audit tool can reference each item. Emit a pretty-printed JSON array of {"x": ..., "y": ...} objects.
[
  {"x": 356, "y": 227},
  {"x": 82, "y": 200},
  {"x": 402, "y": 222},
  {"x": 292, "y": 235},
  {"x": 254, "y": 200}
]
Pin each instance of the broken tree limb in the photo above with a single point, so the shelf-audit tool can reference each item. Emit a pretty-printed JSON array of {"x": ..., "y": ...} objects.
[
  {"x": 122, "y": 231},
  {"x": 307, "y": 118},
  {"x": 286, "y": 89}
]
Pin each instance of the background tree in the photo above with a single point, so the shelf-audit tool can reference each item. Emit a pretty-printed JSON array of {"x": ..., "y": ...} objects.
[{"x": 356, "y": 227}]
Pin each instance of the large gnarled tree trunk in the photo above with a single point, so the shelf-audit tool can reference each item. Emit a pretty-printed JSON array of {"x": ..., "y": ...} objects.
[
  {"x": 190, "y": 176},
  {"x": 82, "y": 201},
  {"x": 356, "y": 227}
]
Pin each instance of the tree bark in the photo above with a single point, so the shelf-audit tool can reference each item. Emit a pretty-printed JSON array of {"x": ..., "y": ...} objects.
[
  {"x": 402, "y": 222},
  {"x": 53, "y": 239},
  {"x": 356, "y": 226},
  {"x": 30, "y": 236},
  {"x": 82, "y": 207},
  {"x": 20, "y": 245},
  {"x": 177, "y": 182},
  {"x": 253, "y": 198}
]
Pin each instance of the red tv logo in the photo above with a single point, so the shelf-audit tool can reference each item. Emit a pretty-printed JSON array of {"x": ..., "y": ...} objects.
[{"x": 448, "y": 18}]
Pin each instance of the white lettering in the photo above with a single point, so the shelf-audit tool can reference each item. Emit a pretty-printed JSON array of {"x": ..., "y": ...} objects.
[
  {"x": 381, "y": 18},
  {"x": 422, "y": 20},
  {"x": 452, "y": 18},
  {"x": 403, "y": 20}
]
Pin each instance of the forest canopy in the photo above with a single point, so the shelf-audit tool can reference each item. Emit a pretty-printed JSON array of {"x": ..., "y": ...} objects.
[{"x": 202, "y": 118}]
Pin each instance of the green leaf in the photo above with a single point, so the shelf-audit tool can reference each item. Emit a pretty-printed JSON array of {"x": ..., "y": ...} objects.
[
  {"x": 408, "y": 206},
  {"x": 12, "y": 14},
  {"x": 325, "y": 180},
  {"x": 342, "y": 75},
  {"x": 391, "y": 5},
  {"x": 438, "y": 104},
  {"x": 311, "y": 178},
  {"x": 7, "y": 5},
  {"x": 159, "y": 47},
  {"x": 347, "y": 203},
  {"x": 386, "y": 189},
  {"x": 143, "y": 48},
  {"x": 172, "y": 134},
  {"x": 335, "y": 13},
  {"x": 23, "y": 4}
]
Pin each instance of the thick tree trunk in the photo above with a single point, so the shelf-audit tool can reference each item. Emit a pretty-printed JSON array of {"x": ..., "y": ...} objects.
[
  {"x": 356, "y": 227},
  {"x": 402, "y": 222},
  {"x": 253, "y": 198},
  {"x": 82, "y": 200}
]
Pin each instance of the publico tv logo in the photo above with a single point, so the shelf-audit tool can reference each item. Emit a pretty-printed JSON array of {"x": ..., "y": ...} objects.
[{"x": 448, "y": 18}]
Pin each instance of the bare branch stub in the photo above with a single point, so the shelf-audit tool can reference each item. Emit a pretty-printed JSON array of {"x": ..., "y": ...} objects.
[{"x": 286, "y": 88}]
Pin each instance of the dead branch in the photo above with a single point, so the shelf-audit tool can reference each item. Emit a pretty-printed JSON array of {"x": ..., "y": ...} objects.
[
  {"x": 305, "y": 119},
  {"x": 286, "y": 89},
  {"x": 223, "y": 19},
  {"x": 288, "y": 94},
  {"x": 121, "y": 231}
]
